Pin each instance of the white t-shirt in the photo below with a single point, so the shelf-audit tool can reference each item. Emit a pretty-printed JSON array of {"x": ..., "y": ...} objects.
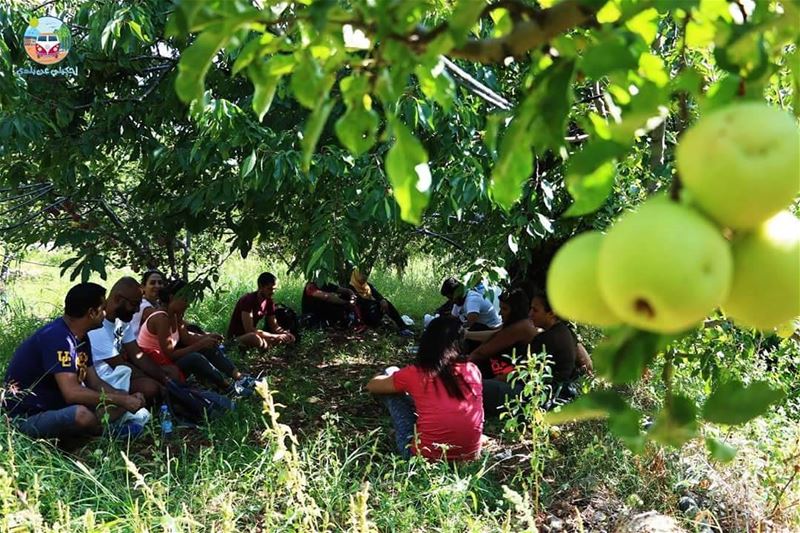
[
  {"x": 107, "y": 342},
  {"x": 476, "y": 303},
  {"x": 136, "y": 322}
]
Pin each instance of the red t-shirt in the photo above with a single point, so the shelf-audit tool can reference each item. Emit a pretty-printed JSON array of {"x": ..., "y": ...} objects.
[
  {"x": 249, "y": 303},
  {"x": 442, "y": 419}
]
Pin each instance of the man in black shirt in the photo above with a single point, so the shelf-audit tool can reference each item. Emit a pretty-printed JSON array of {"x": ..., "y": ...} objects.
[{"x": 556, "y": 339}]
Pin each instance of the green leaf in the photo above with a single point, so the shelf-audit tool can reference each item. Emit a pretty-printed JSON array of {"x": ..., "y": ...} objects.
[
  {"x": 590, "y": 175},
  {"x": 591, "y": 406},
  {"x": 540, "y": 121},
  {"x": 436, "y": 84},
  {"x": 313, "y": 129},
  {"x": 734, "y": 403},
  {"x": 307, "y": 83},
  {"x": 463, "y": 18},
  {"x": 553, "y": 101},
  {"x": 356, "y": 129},
  {"x": 265, "y": 85},
  {"x": 248, "y": 165},
  {"x": 676, "y": 423},
  {"x": 515, "y": 164},
  {"x": 196, "y": 60},
  {"x": 626, "y": 352},
  {"x": 136, "y": 28},
  {"x": 254, "y": 49},
  {"x": 645, "y": 24},
  {"x": 608, "y": 56},
  {"x": 409, "y": 174},
  {"x": 720, "y": 451}
]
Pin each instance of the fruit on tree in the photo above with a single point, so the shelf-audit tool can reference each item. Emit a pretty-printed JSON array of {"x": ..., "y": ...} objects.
[
  {"x": 572, "y": 282},
  {"x": 765, "y": 291},
  {"x": 664, "y": 267},
  {"x": 741, "y": 163}
]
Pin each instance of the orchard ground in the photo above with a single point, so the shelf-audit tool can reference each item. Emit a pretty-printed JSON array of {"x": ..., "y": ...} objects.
[{"x": 330, "y": 467}]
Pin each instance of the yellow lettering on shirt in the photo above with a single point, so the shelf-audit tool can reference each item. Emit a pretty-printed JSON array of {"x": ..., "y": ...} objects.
[{"x": 65, "y": 358}]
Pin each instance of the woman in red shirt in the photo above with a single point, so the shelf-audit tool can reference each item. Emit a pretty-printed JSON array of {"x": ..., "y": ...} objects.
[{"x": 438, "y": 399}]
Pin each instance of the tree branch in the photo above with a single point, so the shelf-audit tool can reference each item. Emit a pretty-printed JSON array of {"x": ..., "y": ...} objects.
[
  {"x": 476, "y": 87},
  {"x": 528, "y": 35},
  {"x": 448, "y": 240}
]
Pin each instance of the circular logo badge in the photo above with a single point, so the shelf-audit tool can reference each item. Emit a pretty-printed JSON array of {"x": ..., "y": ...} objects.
[{"x": 47, "y": 40}]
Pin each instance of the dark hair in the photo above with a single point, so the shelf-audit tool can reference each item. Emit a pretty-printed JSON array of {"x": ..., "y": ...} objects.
[
  {"x": 439, "y": 349},
  {"x": 519, "y": 303},
  {"x": 167, "y": 292},
  {"x": 149, "y": 273},
  {"x": 449, "y": 287},
  {"x": 266, "y": 278},
  {"x": 528, "y": 287},
  {"x": 542, "y": 295},
  {"x": 81, "y": 298}
]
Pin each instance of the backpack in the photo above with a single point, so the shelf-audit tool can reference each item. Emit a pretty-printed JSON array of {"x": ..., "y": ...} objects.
[
  {"x": 288, "y": 320},
  {"x": 194, "y": 405}
]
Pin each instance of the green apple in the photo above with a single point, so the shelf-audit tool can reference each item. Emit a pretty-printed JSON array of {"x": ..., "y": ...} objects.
[
  {"x": 572, "y": 284},
  {"x": 664, "y": 267},
  {"x": 741, "y": 163},
  {"x": 765, "y": 291}
]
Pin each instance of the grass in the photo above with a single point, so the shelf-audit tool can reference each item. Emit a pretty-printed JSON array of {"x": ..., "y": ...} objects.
[{"x": 315, "y": 452}]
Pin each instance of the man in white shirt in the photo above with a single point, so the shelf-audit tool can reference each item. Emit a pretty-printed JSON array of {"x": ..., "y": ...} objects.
[
  {"x": 115, "y": 353},
  {"x": 475, "y": 311}
]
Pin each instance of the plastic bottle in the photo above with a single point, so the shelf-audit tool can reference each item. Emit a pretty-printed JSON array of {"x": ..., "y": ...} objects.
[{"x": 166, "y": 422}]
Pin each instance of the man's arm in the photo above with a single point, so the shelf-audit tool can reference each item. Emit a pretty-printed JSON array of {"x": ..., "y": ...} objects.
[
  {"x": 330, "y": 297},
  {"x": 583, "y": 360},
  {"x": 74, "y": 393},
  {"x": 501, "y": 340},
  {"x": 247, "y": 322},
  {"x": 273, "y": 326}
]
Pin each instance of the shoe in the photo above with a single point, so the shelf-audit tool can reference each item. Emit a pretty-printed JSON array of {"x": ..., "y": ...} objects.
[
  {"x": 141, "y": 417},
  {"x": 406, "y": 333},
  {"x": 129, "y": 430},
  {"x": 244, "y": 386}
]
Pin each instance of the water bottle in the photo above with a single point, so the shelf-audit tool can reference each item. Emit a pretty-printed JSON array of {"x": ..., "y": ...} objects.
[{"x": 166, "y": 422}]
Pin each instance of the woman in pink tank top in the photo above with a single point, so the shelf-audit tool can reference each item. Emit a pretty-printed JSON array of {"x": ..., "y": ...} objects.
[{"x": 163, "y": 328}]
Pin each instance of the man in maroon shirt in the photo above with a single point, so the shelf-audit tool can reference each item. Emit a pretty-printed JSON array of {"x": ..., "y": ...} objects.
[{"x": 250, "y": 309}]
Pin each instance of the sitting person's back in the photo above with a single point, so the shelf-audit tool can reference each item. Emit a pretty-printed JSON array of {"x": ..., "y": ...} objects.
[
  {"x": 447, "y": 425},
  {"x": 441, "y": 393}
]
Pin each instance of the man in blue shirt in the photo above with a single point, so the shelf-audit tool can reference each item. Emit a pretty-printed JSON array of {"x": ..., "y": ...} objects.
[{"x": 52, "y": 387}]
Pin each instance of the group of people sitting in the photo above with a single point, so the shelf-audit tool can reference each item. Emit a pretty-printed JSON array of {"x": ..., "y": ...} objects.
[
  {"x": 465, "y": 358},
  {"x": 113, "y": 357}
]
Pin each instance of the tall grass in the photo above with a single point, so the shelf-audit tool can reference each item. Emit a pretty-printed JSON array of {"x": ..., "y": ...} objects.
[{"x": 313, "y": 452}]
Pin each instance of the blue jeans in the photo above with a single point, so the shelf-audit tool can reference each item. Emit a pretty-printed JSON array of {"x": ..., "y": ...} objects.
[
  {"x": 49, "y": 424},
  {"x": 404, "y": 418},
  {"x": 211, "y": 365}
]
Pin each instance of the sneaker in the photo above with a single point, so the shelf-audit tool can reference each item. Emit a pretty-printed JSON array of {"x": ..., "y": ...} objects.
[
  {"x": 129, "y": 430},
  {"x": 406, "y": 333},
  {"x": 244, "y": 386}
]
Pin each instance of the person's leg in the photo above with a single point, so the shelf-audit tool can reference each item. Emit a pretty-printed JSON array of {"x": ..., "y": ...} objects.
[
  {"x": 70, "y": 421},
  {"x": 196, "y": 363},
  {"x": 495, "y": 394},
  {"x": 150, "y": 388},
  {"x": 404, "y": 419},
  {"x": 217, "y": 357},
  {"x": 251, "y": 340},
  {"x": 392, "y": 313}
]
